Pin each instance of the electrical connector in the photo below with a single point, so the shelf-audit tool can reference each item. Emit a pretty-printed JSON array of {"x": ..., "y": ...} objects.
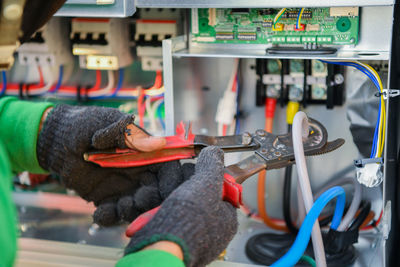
[
  {"x": 270, "y": 106},
  {"x": 277, "y": 27},
  {"x": 291, "y": 110},
  {"x": 226, "y": 109},
  {"x": 369, "y": 171}
]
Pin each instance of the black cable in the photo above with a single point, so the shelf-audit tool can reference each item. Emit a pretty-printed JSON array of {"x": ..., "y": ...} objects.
[
  {"x": 355, "y": 225},
  {"x": 21, "y": 91},
  {"x": 266, "y": 248},
  {"x": 78, "y": 94}
]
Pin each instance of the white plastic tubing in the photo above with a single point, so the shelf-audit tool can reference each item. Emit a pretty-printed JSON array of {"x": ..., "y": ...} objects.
[{"x": 300, "y": 131}]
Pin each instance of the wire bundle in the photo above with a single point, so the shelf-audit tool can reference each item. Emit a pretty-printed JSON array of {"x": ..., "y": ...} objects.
[
  {"x": 95, "y": 92},
  {"x": 300, "y": 244},
  {"x": 278, "y": 16},
  {"x": 380, "y": 127},
  {"x": 145, "y": 96},
  {"x": 299, "y": 15}
]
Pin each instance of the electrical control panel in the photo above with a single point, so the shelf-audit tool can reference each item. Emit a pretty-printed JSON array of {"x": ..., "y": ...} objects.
[
  {"x": 101, "y": 43},
  {"x": 208, "y": 63},
  {"x": 317, "y": 26}
]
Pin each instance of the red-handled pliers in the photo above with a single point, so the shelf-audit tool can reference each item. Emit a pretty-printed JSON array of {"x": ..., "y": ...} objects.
[{"x": 270, "y": 152}]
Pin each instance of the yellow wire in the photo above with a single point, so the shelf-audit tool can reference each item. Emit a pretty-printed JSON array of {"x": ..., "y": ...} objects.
[
  {"x": 300, "y": 15},
  {"x": 382, "y": 122},
  {"x": 382, "y": 126},
  {"x": 280, "y": 13},
  {"x": 156, "y": 91}
]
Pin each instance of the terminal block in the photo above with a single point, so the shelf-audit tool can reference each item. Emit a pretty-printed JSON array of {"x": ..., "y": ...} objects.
[
  {"x": 101, "y": 43},
  {"x": 48, "y": 46},
  {"x": 304, "y": 81}
]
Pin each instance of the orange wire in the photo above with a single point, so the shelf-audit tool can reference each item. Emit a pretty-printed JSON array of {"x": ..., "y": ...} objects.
[
  {"x": 272, "y": 223},
  {"x": 370, "y": 217}
]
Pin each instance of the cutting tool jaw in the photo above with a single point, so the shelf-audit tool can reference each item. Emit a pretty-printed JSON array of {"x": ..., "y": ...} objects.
[{"x": 276, "y": 151}]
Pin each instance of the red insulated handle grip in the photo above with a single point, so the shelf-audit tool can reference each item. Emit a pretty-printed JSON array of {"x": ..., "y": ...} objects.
[
  {"x": 141, "y": 221},
  {"x": 231, "y": 192}
]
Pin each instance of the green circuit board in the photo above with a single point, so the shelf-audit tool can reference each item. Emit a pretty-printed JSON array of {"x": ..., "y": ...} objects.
[{"x": 323, "y": 26}]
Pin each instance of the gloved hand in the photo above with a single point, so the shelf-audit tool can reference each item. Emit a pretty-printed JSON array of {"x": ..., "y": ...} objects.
[
  {"x": 194, "y": 216},
  {"x": 119, "y": 194}
]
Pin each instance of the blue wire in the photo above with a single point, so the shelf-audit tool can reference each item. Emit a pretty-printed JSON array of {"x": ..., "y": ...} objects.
[
  {"x": 360, "y": 68},
  {"x": 303, "y": 237},
  {"x": 159, "y": 115},
  {"x": 60, "y": 78},
  {"x": 4, "y": 87},
  {"x": 298, "y": 17},
  {"x": 374, "y": 80},
  {"x": 376, "y": 132},
  {"x": 120, "y": 81}
]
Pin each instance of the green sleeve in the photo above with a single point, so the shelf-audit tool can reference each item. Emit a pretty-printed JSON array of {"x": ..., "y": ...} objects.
[
  {"x": 19, "y": 125},
  {"x": 150, "y": 258},
  {"x": 8, "y": 220}
]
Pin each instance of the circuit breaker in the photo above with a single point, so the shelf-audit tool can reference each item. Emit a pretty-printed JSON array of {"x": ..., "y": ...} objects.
[{"x": 101, "y": 43}]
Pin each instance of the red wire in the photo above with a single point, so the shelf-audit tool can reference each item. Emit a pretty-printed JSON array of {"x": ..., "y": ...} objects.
[
  {"x": 36, "y": 86},
  {"x": 141, "y": 110},
  {"x": 158, "y": 81},
  {"x": 374, "y": 224},
  {"x": 96, "y": 86},
  {"x": 224, "y": 129},
  {"x": 41, "y": 78},
  {"x": 234, "y": 85}
]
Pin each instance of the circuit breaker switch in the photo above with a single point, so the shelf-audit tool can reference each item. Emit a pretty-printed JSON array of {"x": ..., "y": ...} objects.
[{"x": 101, "y": 43}]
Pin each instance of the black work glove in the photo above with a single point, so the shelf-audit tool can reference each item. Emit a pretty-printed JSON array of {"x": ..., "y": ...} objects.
[
  {"x": 194, "y": 216},
  {"x": 119, "y": 193}
]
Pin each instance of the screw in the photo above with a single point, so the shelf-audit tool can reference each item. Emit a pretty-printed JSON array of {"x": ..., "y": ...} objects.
[
  {"x": 264, "y": 151},
  {"x": 246, "y": 139},
  {"x": 339, "y": 79},
  {"x": 260, "y": 132},
  {"x": 277, "y": 153}
]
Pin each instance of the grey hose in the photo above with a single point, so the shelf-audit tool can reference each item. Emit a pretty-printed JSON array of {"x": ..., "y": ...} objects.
[{"x": 300, "y": 131}]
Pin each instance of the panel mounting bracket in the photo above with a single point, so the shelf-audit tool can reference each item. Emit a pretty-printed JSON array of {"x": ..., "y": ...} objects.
[{"x": 388, "y": 93}]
